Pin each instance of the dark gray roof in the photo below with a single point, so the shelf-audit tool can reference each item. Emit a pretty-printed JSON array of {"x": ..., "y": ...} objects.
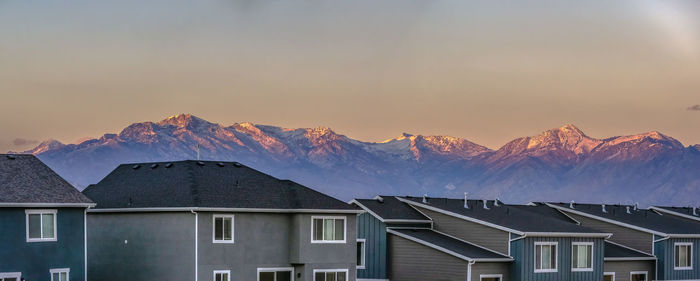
[
  {"x": 688, "y": 211},
  {"x": 643, "y": 218},
  {"x": 25, "y": 179},
  {"x": 516, "y": 217},
  {"x": 390, "y": 208},
  {"x": 613, "y": 250},
  {"x": 206, "y": 184},
  {"x": 449, "y": 243}
]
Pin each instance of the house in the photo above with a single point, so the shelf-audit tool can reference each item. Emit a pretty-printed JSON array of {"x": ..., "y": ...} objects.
[
  {"x": 484, "y": 240},
  {"x": 672, "y": 240},
  {"x": 221, "y": 221},
  {"x": 42, "y": 223}
]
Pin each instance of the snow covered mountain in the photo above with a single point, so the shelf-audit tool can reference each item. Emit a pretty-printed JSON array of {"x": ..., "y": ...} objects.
[{"x": 559, "y": 164}]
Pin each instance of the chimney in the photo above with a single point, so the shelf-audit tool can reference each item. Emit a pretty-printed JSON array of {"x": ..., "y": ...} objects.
[
  {"x": 571, "y": 205},
  {"x": 604, "y": 211},
  {"x": 466, "y": 205},
  {"x": 628, "y": 209},
  {"x": 425, "y": 198},
  {"x": 495, "y": 202},
  {"x": 485, "y": 206}
]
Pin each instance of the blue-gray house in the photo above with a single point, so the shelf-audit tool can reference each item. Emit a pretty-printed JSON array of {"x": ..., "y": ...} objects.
[{"x": 42, "y": 223}]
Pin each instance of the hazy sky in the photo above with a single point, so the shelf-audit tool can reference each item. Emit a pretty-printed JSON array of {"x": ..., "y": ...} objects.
[{"x": 488, "y": 71}]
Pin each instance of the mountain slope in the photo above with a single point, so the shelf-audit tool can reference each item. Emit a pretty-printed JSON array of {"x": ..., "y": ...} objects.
[{"x": 558, "y": 164}]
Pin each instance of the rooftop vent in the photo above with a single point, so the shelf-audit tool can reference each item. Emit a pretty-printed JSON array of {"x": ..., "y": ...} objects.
[
  {"x": 628, "y": 209},
  {"x": 238, "y": 165},
  {"x": 466, "y": 205},
  {"x": 425, "y": 198},
  {"x": 495, "y": 202},
  {"x": 571, "y": 204},
  {"x": 237, "y": 183},
  {"x": 636, "y": 206},
  {"x": 380, "y": 199},
  {"x": 154, "y": 166},
  {"x": 220, "y": 164},
  {"x": 169, "y": 165},
  {"x": 485, "y": 206},
  {"x": 11, "y": 157},
  {"x": 603, "y": 206},
  {"x": 136, "y": 167},
  {"x": 200, "y": 163},
  {"x": 695, "y": 211}
]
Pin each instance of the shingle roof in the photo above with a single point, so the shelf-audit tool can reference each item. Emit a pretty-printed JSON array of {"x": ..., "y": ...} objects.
[
  {"x": 443, "y": 242},
  {"x": 206, "y": 184},
  {"x": 389, "y": 208},
  {"x": 682, "y": 211},
  {"x": 521, "y": 218},
  {"x": 24, "y": 179},
  {"x": 613, "y": 251},
  {"x": 642, "y": 218}
]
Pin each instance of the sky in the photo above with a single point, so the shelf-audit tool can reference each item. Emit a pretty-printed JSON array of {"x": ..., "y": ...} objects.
[{"x": 489, "y": 71}]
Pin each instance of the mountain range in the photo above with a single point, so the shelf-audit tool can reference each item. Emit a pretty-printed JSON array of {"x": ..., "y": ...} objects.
[{"x": 560, "y": 164}]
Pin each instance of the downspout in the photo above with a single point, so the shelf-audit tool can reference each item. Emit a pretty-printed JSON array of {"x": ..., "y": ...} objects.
[
  {"x": 469, "y": 270},
  {"x": 85, "y": 242},
  {"x": 653, "y": 251},
  {"x": 196, "y": 244}
]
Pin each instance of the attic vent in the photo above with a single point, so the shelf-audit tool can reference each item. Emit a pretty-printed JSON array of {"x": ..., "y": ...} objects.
[
  {"x": 11, "y": 157},
  {"x": 485, "y": 204},
  {"x": 200, "y": 163},
  {"x": 220, "y": 164},
  {"x": 425, "y": 198},
  {"x": 238, "y": 165},
  {"x": 169, "y": 165},
  {"x": 628, "y": 210},
  {"x": 495, "y": 202},
  {"x": 695, "y": 211},
  {"x": 237, "y": 183},
  {"x": 380, "y": 199},
  {"x": 636, "y": 206},
  {"x": 136, "y": 167},
  {"x": 603, "y": 206},
  {"x": 571, "y": 205},
  {"x": 154, "y": 166},
  {"x": 466, "y": 202}
]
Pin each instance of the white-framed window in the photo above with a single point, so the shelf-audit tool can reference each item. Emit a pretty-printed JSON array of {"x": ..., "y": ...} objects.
[
  {"x": 638, "y": 276},
  {"x": 490, "y": 277},
  {"x": 60, "y": 274},
  {"x": 683, "y": 256},
  {"x": 41, "y": 225},
  {"x": 222, "y": 228},
  {"x": 546, "y": 256},
  {"x": 222, "y": 275},
  {"x": 10, "y": 276},
  {"x": 330, "y": 275},
  {"x": 276, "y": 274},
  {"x": 361, "y": 253},
  {"x": 327, "y": 229},
  {"x": 609, "y": 276},
  {"x": 582, "y": 256}
]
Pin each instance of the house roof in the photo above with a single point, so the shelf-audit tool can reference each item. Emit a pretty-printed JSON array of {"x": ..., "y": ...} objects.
[
  {"x": 614, "y": 251},
  {"x": 642, "y": 219},
  {"x": 25, "y": 180},
  {"x": 449, "y": 244},
  {"x": 685, "y": 212},
  {"x": 390, "y": 209},
  {"x": 205, "y": 184},
  {"x": 520, "y": 219}
]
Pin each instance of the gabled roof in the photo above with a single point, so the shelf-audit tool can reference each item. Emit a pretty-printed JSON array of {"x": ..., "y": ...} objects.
[
  {"x": 391, "y": 210},
  {"x": 206, "y": 184},
  {"x": 518, "y": 219},
  {"x": 640, "y": 219},
  {"x": 450, "y": 245},
  {"x": 617, "y": 252},
  {"x": 25, "y": 181},
  {"x": 684, "y": 212}
]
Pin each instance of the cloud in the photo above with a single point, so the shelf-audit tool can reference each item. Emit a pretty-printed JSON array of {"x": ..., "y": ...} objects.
[
  {"x": 23, "y": 142},
  {"x": 694, "y": 107}
]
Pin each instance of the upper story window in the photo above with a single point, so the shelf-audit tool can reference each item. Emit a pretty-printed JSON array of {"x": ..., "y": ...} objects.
[
  {"x": 546, "y": 256},
  {"x": 41, "y": 225},
  {"x": 276, "y": 274},
  {"x": 330, "y": 274},
  {"x": 360, "y": 253},
  {"x": 638, "y": 276},
  {"x": 683, "y": 256},
  {"x": 10, "y": 276},
  {"x": 222, "y": 275},
  {"x": 582, "y": 256},
  {"x": 60, "y": 274},
  {"x": 327, "y": 229},
  {"x": 223, "y": 229}
]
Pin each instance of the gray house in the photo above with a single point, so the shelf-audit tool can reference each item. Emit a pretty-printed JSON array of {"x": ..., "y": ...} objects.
[
  {"x": 221, "y": 221},
  {"x": 42, "y": 222}
]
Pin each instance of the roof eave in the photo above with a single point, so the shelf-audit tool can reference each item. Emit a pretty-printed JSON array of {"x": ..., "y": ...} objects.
[
  {"x": 446, "y": 251},
  {"x": 568, "y": 234},
  {"x": 43, "y": 205},
  {"x": 663, "y": 210},
  {"x": 630, "y": 259},
  {"x": 607, "y": 220},
  {"x": 240, "y": 210}
]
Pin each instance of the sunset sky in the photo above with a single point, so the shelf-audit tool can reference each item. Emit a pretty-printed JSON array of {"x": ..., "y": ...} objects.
[{"x": 488, "y": 71}]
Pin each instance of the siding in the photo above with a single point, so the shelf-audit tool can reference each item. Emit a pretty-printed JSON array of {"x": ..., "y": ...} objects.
[
  {"x": 34, "y": 260},
  {"x": 664, "y": 252},
  {"x": 523, "y": 251},
  {"x": 622, "y": 235},
  {"x": 502, "y": 268},
  {"x": 485, "y": 236},
  {"x": 622, "y": 269},
  {"x": 374, "y": 232},
  {"x": 410, "y": 261}
]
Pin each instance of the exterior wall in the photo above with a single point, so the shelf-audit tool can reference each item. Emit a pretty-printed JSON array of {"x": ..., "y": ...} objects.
[
  {"x": 35, "y": 259},
  {"x": 374, "y": 233},
  {"x": 141, "y": 246},
  {"x": 629, "y": 237},
  {"x": 523, "y": 251},
  {"x": 622, "y": 269},
  {"x": 666, "y": 260},
  {"x": 480, "y": 268},
  {"x": 481, "y": 235},
  {"x": 410, "y": 261}
]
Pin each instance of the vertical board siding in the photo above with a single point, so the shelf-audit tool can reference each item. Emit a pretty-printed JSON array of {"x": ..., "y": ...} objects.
[
  {"x": 666, "y": 259},
  {"x": 523, "y": 251},
  {"x": 410, "y": 261},
  {"x": 374, "y": 233},
  {"x": 622, "y": 235},
  {"x": 622, "y": 269},
  {"x": 481, "y": 235},
  {"x": 480, "y": 268}
]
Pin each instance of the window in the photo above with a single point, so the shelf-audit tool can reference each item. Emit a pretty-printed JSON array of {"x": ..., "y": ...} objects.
[
  {"x": 582, "y": 256},
  {"x": 330, "y": 274},
  {"x": 222, "y": 275},
  {"x": 60, "y": 274},
  {"x": 10, "y": 276},
  {"x": 638, "y": 276},
  {"x": 683, "y": 256},
  {"x": 276, "y": 274},
  {"x": 609, "y": 276},
  {"x": 41, "y": 225},
  {"x": 223, "y": 229},
  {"x": 328, "y": 229},
  {"x": 546, "y": 257},
  {"x": 490, "y": 277},
  {"x": 360, "y": 253}
]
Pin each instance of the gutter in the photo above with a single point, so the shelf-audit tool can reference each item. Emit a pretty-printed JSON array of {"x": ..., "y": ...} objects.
[
  {"x": 630, "y": 259},
  {"x": 240, "y": 210},
  {"x": 58, "y": 205}
]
